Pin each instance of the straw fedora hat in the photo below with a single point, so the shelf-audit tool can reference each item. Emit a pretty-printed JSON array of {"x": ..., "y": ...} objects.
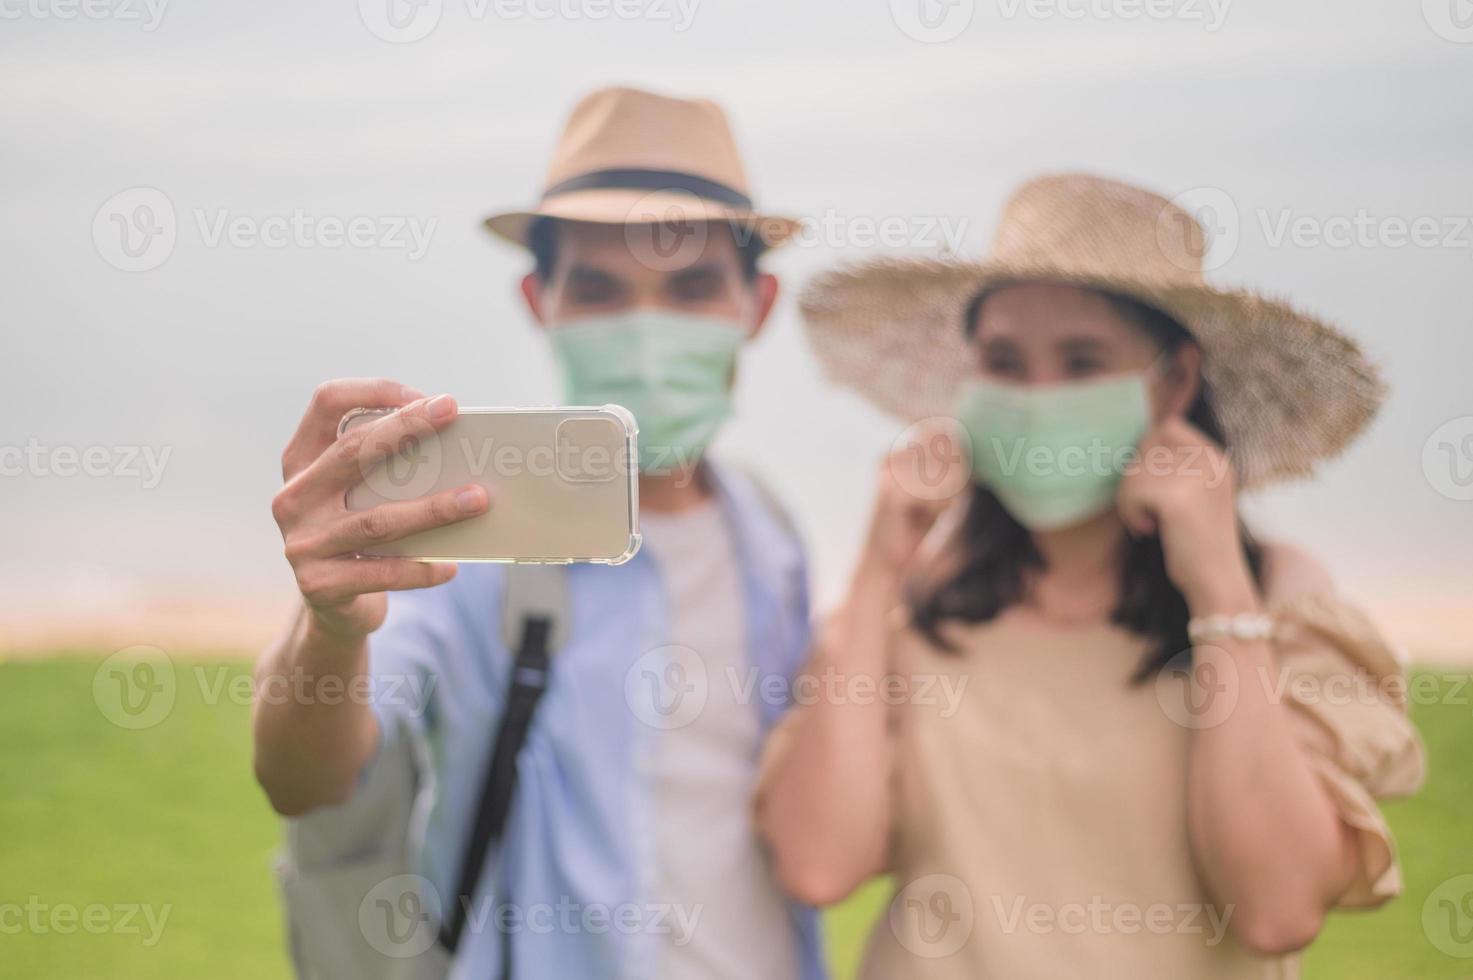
[
  {"x": 632, "y": 157},
  {"x": 1288, "y": 388}
]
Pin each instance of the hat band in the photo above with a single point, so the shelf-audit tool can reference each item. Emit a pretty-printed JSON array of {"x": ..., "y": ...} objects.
[{"x": 637, "y": 179}]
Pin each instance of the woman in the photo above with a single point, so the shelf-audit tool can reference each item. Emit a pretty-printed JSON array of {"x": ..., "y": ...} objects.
[{"x": 1109, "y": 734}]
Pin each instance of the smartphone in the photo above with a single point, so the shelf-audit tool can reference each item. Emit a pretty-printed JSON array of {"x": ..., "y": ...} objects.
[{"x": 563, "y": 484}]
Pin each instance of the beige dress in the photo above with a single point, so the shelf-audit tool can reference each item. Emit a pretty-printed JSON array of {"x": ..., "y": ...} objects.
[{"x": 1041, "y": 824}]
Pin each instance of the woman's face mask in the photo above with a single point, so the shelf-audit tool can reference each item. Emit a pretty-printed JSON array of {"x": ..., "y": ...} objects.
[
  {"x": 672, "y": 370},
  {"x": 1054, "y": 454}
]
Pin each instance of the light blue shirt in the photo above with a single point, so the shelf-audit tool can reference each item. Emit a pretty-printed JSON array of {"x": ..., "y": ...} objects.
[{"x": 579, "y": 842}]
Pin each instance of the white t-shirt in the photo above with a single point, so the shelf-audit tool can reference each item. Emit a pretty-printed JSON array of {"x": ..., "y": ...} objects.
[{"x": 709, "y": 856}]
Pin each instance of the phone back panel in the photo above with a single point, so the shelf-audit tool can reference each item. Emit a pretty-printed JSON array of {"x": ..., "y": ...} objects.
[{"x": 563, "y": 484}]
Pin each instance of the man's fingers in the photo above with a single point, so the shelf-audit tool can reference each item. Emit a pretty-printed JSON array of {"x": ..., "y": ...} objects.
[
  {"x": 362, "y": 530},
  {"x": 330, "y": 402},
  {"x": 349, "y": 460},
  {"x": 339, "y": 580}
]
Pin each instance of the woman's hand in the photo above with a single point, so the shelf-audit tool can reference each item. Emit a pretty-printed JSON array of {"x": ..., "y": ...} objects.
[
  {"x": 1181, "y": 486},
  {"x": 916, "y": 482},
  {"x": 824, "y": 802}
]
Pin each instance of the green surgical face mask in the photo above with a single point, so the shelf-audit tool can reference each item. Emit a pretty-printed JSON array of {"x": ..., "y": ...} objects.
[
  {"x": 1054, "y": 454},
  {"x": 672, "y": 370}
]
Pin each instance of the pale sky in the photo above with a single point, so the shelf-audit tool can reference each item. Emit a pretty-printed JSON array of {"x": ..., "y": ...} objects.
[{"x": 1327, "y": 116}]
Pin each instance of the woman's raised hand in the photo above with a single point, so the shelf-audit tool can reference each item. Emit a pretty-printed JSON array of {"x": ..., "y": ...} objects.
[
  {"x": 920, "y": 478},
  {"x": 1182, "y": 487}
]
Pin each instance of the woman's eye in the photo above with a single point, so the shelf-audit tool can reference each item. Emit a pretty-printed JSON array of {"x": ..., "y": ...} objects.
[{"x": 1080, "y": 367}]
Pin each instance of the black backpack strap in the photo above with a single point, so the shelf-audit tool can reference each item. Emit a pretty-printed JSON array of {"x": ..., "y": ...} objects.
[{"x": 536, "y": 603}]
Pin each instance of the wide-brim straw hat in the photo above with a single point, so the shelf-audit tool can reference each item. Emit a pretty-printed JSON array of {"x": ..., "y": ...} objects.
[
  {"x": 1289, "y": 389},
  {"x": 629, "y": 157}
]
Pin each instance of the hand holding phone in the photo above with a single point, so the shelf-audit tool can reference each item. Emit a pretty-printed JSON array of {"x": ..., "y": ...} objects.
[
  {"x": 322, "y": 538},
  {"x": 384, "y": 486}
]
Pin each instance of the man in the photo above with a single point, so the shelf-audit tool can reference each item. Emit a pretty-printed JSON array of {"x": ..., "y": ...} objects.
[{"x": 629, "y": 850}]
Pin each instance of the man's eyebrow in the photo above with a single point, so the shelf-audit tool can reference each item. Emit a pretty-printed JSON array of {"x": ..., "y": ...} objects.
[
  {"x": 1081, "y": 345},
  {"x": 580, "y": 270},
  {"x": 711, "y": 268}
]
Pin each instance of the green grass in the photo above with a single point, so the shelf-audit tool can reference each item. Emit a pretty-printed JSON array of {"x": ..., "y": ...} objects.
[
  {"x": 167, "y": 816},
  {"x": 94, "y": 814}
]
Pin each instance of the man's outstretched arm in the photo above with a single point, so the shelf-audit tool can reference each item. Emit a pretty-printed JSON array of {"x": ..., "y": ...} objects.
[{"x": 309, "y": 750}]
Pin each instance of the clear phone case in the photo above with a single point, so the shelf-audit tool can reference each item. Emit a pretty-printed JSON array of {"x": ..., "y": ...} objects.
[{"x": 563, "y": 484}]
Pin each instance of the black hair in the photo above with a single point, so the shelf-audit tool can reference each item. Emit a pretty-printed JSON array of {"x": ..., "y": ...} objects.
[
  {"x": 542, "y": 239},
  {"x": 996, "y": 551}
]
